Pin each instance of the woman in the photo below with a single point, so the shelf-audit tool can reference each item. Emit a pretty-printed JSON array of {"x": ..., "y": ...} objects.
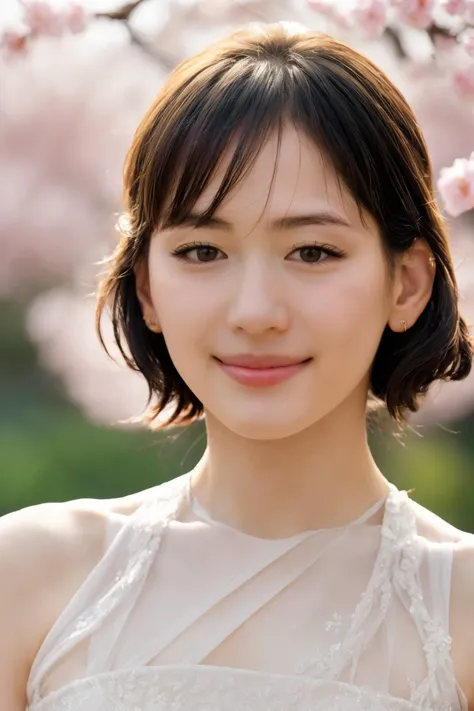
[{"x": 282, "y": 265}]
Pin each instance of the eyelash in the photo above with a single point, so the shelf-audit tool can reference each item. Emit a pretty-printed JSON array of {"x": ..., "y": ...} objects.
[{"x": 183, "y": 251}]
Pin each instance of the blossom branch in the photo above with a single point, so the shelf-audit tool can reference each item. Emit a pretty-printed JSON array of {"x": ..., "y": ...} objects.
[
  {"x": 373, "y": 17},
  {"x": 123, "y": 15},
  {"x": 394, "y": 37},
  {"x": 41, "y": 19}
]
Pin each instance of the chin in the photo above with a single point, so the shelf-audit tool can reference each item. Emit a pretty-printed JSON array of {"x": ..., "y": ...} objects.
[{"x": 267, "y": 425}]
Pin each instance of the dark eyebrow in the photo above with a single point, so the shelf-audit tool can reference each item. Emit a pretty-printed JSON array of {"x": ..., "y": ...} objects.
[
  {"x": 283, "y": 223},
  {"x": 316, "y": 218}
]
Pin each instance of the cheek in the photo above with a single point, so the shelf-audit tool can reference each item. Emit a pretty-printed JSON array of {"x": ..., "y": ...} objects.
[
  {"x": 184, "y": 312},
  {"x": 355, "y": 310}
]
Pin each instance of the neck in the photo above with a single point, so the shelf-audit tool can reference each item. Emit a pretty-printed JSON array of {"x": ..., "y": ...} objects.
[{"x": 322, "y": 477}]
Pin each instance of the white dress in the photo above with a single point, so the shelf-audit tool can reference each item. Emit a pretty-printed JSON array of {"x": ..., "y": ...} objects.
[{"x": 183, "y": 613}]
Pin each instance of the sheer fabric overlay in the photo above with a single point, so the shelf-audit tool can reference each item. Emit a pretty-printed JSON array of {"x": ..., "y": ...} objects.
[{"x": 183, "y": 613}]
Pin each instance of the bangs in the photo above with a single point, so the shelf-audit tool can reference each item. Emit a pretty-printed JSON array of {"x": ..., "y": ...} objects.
[
  {"x": 236, "y": 113},
  {"x": 232, "y": 105},
  {"x": 214, "y": 115}
]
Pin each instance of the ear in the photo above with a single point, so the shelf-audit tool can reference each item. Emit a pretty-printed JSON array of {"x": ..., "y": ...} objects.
[
  {"x": 142, "y": 285},
  {"x": 413, "y": 285}
]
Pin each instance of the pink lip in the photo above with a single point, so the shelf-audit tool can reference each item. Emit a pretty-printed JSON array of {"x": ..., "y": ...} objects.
[{"x": 262, "y": 375}]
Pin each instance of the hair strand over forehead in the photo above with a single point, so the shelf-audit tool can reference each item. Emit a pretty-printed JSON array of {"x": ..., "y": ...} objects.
[{"x": 236, "y": 94}]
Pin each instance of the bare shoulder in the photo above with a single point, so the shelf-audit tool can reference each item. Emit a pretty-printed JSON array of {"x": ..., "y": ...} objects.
[
  {"x": 46, "y": 553},
  {"x": 58, "y": 542}
]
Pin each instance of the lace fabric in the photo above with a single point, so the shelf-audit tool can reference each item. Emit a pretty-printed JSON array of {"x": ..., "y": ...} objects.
[
  {"x": 183, "y": 613},
  {"x": 181, "y": 688}
]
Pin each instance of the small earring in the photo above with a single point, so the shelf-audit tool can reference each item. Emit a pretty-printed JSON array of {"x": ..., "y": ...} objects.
[
  {"x": 432, "y": 262},
  {"x": 152, "y": 326},
  {"x": 404, "y": 325}
]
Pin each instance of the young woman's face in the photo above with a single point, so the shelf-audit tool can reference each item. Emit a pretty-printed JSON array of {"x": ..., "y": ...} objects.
[{"x": 290, "y": 273}]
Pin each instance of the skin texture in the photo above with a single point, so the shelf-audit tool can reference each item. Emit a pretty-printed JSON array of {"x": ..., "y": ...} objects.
[
  {"x": 261, "y": 298},
  {"x": 269, "y": 450},
  {"x": 261, "y": 295}
]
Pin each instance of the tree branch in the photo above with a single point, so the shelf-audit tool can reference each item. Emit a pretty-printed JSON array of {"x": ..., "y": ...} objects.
[
  {"x": 166, "y": 62},
  {"x": 394, "y": 38},
  {"x": 434, "y": 31},
  {"x": 123, "y": 15}
]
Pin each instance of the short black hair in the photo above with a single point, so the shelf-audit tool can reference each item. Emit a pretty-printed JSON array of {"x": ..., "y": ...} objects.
[{"x": 244, "y": 88}]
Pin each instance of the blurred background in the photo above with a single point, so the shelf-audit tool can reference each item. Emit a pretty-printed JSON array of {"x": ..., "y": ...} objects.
[{"x": 75, "y": 81}]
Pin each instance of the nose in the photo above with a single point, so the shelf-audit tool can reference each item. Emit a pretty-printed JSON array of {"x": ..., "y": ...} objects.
[{"x": 258, "y": 300}]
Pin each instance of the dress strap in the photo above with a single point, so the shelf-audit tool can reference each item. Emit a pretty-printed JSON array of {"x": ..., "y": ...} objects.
[
  {"x": 356, "y": 628},
  {"x": 438, "y": 687},
  {"x": 440, "y": 562}
]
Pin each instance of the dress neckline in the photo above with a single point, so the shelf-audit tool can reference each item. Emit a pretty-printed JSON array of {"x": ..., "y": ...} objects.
[
  {"x": 200, "y": 512},
  {"x": 397, "y": 560}
]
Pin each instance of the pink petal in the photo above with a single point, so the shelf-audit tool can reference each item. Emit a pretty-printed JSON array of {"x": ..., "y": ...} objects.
[
  {"x": 469, "y": 11},
  {"x": 453, "y": 7},
  {"x": 371, "y": 16},
  {"x": 416, "y": 13},
  {"x": 42, "y": 19},
  {"x": 14, "y": 43},
  {"x": 76, "y": 18},
  {"x": 456, "y": 186},
  {"x": 463, "y": 80}
]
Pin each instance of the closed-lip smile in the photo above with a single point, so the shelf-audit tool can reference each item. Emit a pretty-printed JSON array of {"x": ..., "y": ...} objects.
[
  {"x": 257, "y": 362},
  {"x": 261, "y": 370}
]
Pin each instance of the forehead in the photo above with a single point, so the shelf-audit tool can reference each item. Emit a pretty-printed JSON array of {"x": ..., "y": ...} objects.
[{"x": 288, "y": 176}]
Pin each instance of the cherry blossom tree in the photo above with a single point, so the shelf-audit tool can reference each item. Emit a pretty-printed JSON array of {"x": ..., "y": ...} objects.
[
  {"x": 77, "y": 76},
  {"x": 445, "y": 26}
]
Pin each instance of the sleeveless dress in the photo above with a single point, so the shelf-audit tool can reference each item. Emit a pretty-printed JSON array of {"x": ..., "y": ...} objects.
[{"x": 184, "y": 613}]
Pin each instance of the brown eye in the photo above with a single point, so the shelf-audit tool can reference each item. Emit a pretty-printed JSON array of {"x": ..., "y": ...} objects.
[
  {"x": 206, "y": 253},
  {"x": 312, "y": 254},
  {"x": 316, "y": 253},
  {"x": 203, "y": 253}
]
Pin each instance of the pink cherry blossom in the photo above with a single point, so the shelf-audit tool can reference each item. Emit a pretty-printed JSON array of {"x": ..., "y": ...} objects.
[
  {"x": 65, "y": 165},
  {"x": 416, "y": 13},
  {"x": 456, "y": 186},
  {"x": 463, "y": 80},
  {"x": 467, "y": 40},
  {"x": 453, "y": 7},
  {"x": 42, "y": 18},
  {"x": 75, "y": 18},
  {"x": 105, "y": 390},
  {"x": 321, "y": 6},
  {"x": 14, "y": 43},
  {"x": 469, "y": 11},
  {"x": 330, "y": 10},
  {"x": 371, "y": 16}
]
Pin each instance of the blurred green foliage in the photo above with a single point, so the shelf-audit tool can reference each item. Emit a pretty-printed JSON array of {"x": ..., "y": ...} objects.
[{"x": 50, "y": 452}]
